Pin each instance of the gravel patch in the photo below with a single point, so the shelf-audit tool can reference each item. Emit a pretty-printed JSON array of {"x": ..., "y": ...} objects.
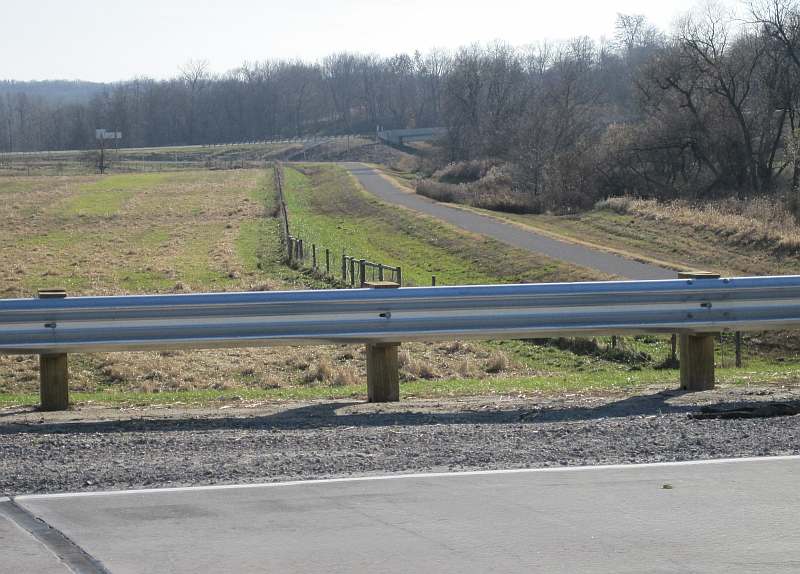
[{"x": 101, "y": 449}]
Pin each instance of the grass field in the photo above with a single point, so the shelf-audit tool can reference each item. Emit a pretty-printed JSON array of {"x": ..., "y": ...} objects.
[{"x": 211, "y": 230}]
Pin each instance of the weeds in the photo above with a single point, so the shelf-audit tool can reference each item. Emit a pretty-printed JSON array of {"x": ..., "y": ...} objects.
[
  {"x": 761, "y": 221},
  {"x": 590, "y": 347}
]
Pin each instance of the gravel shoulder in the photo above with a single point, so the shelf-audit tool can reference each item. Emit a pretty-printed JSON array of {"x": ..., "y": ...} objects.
[{"x": 96, "y": 448}]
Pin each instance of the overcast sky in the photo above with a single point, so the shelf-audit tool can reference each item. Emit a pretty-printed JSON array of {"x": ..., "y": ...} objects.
[{"x": 106, "y": 40}]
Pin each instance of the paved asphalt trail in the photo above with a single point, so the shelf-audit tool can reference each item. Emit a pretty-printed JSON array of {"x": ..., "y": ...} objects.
[
  {"x": 722, "y": 517},
  {"x": 513, "y": 235}
]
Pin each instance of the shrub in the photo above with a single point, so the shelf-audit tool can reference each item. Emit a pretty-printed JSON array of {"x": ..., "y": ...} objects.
[
  {"x": 497, "y": 363},
  {"x": 322, "y": 371},
  {"x": 344, "y": 377},
  {"x": 492, "y": 190},
  {"x": 465, "y": 171}
]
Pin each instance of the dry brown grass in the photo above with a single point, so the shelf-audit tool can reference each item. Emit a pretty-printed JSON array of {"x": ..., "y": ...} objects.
[
  {"x": 125, "y": 234},
  {"x": 264, "y": 368},
  {"x": 497, "y": 363},
  {"x": 762, "y": 221}
]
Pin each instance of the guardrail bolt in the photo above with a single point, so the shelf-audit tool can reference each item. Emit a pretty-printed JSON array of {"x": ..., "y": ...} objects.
[
  {"x": 697, "y": 350},
  {"x": 53, "y": 369}
]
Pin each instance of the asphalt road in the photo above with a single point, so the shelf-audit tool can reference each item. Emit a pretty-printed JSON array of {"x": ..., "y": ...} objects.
[
  {"x": 513, "y": 235},
  {"x": 725, "y": 516}
]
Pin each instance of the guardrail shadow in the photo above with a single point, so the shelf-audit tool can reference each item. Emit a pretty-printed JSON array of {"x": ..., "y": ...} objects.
[{"x": 328, "y": 415}]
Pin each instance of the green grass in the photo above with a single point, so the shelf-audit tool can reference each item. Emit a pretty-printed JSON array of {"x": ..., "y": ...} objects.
[
  {"x": 368, "y": 236},
  {"x": 106, "y": 197},
  {"x": 16, "y": 186}
]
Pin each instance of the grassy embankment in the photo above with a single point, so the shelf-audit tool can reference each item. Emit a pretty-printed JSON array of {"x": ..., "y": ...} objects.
[{"x": 207, "y": 231}]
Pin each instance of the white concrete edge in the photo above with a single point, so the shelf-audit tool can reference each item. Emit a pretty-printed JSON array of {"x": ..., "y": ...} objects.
[
  {"x": 717, "y": 461},
  {"x": 5, "y": 499}
]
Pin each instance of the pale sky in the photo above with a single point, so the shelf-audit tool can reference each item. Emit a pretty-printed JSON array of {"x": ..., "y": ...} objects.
[{"x": 107, "y": 40}]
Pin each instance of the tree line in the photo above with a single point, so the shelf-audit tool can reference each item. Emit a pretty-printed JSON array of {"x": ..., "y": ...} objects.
[{"x": 707, "y": 109}]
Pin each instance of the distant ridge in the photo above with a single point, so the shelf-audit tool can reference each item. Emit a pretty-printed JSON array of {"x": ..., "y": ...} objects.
[{"x": 65, "y": 91}]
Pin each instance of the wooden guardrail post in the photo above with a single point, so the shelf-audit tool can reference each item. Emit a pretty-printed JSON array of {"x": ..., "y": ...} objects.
[
  {"x": 383, "y": 367},
  {"x": 362, "y": 272},
  {"x": 697, "y": 350},
  {"x": 53, "y": 370},
  {"x": 327, "y": 262}
]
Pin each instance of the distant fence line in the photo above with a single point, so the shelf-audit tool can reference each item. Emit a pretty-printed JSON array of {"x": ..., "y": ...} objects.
[
  {"x": 349, "y": 271},
  {"x": 172, "y": 158},
  {"x": 296, "y": 139}
]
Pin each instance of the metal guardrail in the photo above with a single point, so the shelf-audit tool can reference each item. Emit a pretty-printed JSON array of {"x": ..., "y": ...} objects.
[
  {"x": 402, "y": 136},
  {"x": 88, "y": 324}
]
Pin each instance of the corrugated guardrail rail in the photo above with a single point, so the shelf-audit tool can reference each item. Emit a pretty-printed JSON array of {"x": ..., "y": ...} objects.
[{"x": 390, "y": 316}]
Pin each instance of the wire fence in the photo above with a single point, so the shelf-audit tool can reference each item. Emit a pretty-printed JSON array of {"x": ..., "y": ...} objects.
[{"x": 341, "y": 268}]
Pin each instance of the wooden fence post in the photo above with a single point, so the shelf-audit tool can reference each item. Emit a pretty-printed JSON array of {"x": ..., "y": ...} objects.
[
  {"x": 697, "y": 350},
  {"x": 362, "y": 272},
  {"x": 327, "y": 262},
  {"x": 344, "y": 268},
  {"x": 314, "y": 256},
  {"x": 53, "y": 370},
  {"x": 383, "y": 367},
  {"x": 352, "y": 272}
]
